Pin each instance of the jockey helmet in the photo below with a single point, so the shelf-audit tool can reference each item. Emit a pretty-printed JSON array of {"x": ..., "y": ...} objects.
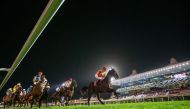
[
  {"x": 18, "y": 84},
  {"x": 70, "y": 78},
  {"x": 40, "y": 73},
  {"x": 10, "y": 89}
]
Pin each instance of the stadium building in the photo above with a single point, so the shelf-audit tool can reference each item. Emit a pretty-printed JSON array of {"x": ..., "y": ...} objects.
[{"x": 172, "y": 79}]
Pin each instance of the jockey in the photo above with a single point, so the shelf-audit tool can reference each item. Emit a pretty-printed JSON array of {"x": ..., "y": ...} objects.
[
  {"x": 24, "y": 91},
  {"x": 101, "y": 74},
  {"x": 16, "y": 87},
  {"x": 67, "y": 83},
  {"x": 57, "y": 89},
  {"x": 44, "y": 82},
  {"x": 9, "y": 91},
  {"x": 29, "y": 89},
  {"x": 44, "y": 79},
  {"x": 37, "y": 78}
]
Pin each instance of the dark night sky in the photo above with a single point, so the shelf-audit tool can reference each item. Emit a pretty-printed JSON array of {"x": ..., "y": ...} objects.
[{"x": 87, "y": 34}]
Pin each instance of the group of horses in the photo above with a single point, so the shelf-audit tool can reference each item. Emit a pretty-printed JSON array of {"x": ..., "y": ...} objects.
[{"x": 39, "y": 92}]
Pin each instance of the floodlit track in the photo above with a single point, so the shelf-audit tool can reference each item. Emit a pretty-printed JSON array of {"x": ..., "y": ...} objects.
[{"x": 142, "y": 105}]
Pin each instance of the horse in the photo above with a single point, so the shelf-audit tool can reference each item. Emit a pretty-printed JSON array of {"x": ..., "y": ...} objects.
[
  {"x": 7, "y": 101},
  {"x": 68, "y": 92},
  {"x": 45, "y": 94},
  {"x": 56, "y": 97},
  {"x": 39, "y": 92},
  {"x": 16, "y": 97},
  {"x": 100, "y": 86}
]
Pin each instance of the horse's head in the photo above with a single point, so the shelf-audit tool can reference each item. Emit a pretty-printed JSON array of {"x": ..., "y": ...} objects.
[
  {"x": 112, "y": 73},
  {"x": 74, "y": 83}
]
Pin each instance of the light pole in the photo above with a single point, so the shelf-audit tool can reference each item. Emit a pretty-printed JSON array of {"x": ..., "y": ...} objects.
[{"x": 48, "y": 13}]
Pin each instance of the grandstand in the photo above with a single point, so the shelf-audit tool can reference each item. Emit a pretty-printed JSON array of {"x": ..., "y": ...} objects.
[{"x": 169, "y": 81}]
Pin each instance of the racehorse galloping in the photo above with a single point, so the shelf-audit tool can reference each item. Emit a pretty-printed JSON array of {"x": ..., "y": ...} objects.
[
  {"x": 45, "y": 94},
  {"x": 101, "y": 86},
  {"x": 56, "y": 97},
  {"x": 7, "y": 100},
  {"x": 17, "y": 97},
  {"x": 68, "y": 92},
  {"x": 39, "y": 92}
]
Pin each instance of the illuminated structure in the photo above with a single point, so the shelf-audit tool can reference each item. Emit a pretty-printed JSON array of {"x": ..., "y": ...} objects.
[{"x": 171, "y": 75}]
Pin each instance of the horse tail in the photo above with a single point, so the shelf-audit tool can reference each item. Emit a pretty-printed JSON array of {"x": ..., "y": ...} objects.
[{"x": 84, "y": 91}]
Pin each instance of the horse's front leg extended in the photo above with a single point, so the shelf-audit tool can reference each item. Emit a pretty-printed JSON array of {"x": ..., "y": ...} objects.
[
  {"x": 115, "y": 93},
  {"x": 40, "y": 102},
  {"x": 32, "y": 102},
  {"x": 98, "y": 96}
]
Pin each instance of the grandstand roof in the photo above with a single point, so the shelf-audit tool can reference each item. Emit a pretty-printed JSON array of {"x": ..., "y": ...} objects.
[{"x": 157, "y": 72}]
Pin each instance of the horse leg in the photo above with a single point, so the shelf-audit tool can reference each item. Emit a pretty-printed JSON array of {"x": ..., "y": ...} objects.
[
  {"x": 98, "y": 96},
  {"x": 66, "y": 99},
  {"x": 60, "y": 101},
  {"x": 89, "y": 96},
  {"x": 14, "y": 102},
  {"x": 46, "y": 101},
  {"x": 4, "y": 104},
  {"x": 40, "y": 102},
  {"x": 115, "y": 93},
  {"x": 32, "y": 102},
  {"x": 55, "y": 102}
]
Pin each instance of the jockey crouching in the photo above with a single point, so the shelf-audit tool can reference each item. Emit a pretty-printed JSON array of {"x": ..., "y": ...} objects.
[
  {"x": 23, "y": 92},
  {"x": 41, "y": 78},
  {"x": 67, "y": 83},
  {"x": 100, "y": 75},
  {"x": 57, "y": 89},
  {"x": 29, "y": 89},
  {"x": 16, "y": 87},
  {"x": 37, "y": 78},
  {"x": 9, "y": 92},
  {"x": 44, "y": 82}
]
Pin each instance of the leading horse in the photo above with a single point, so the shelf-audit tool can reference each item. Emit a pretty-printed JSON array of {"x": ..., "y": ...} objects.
[{"x": 101, "y": 86}]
